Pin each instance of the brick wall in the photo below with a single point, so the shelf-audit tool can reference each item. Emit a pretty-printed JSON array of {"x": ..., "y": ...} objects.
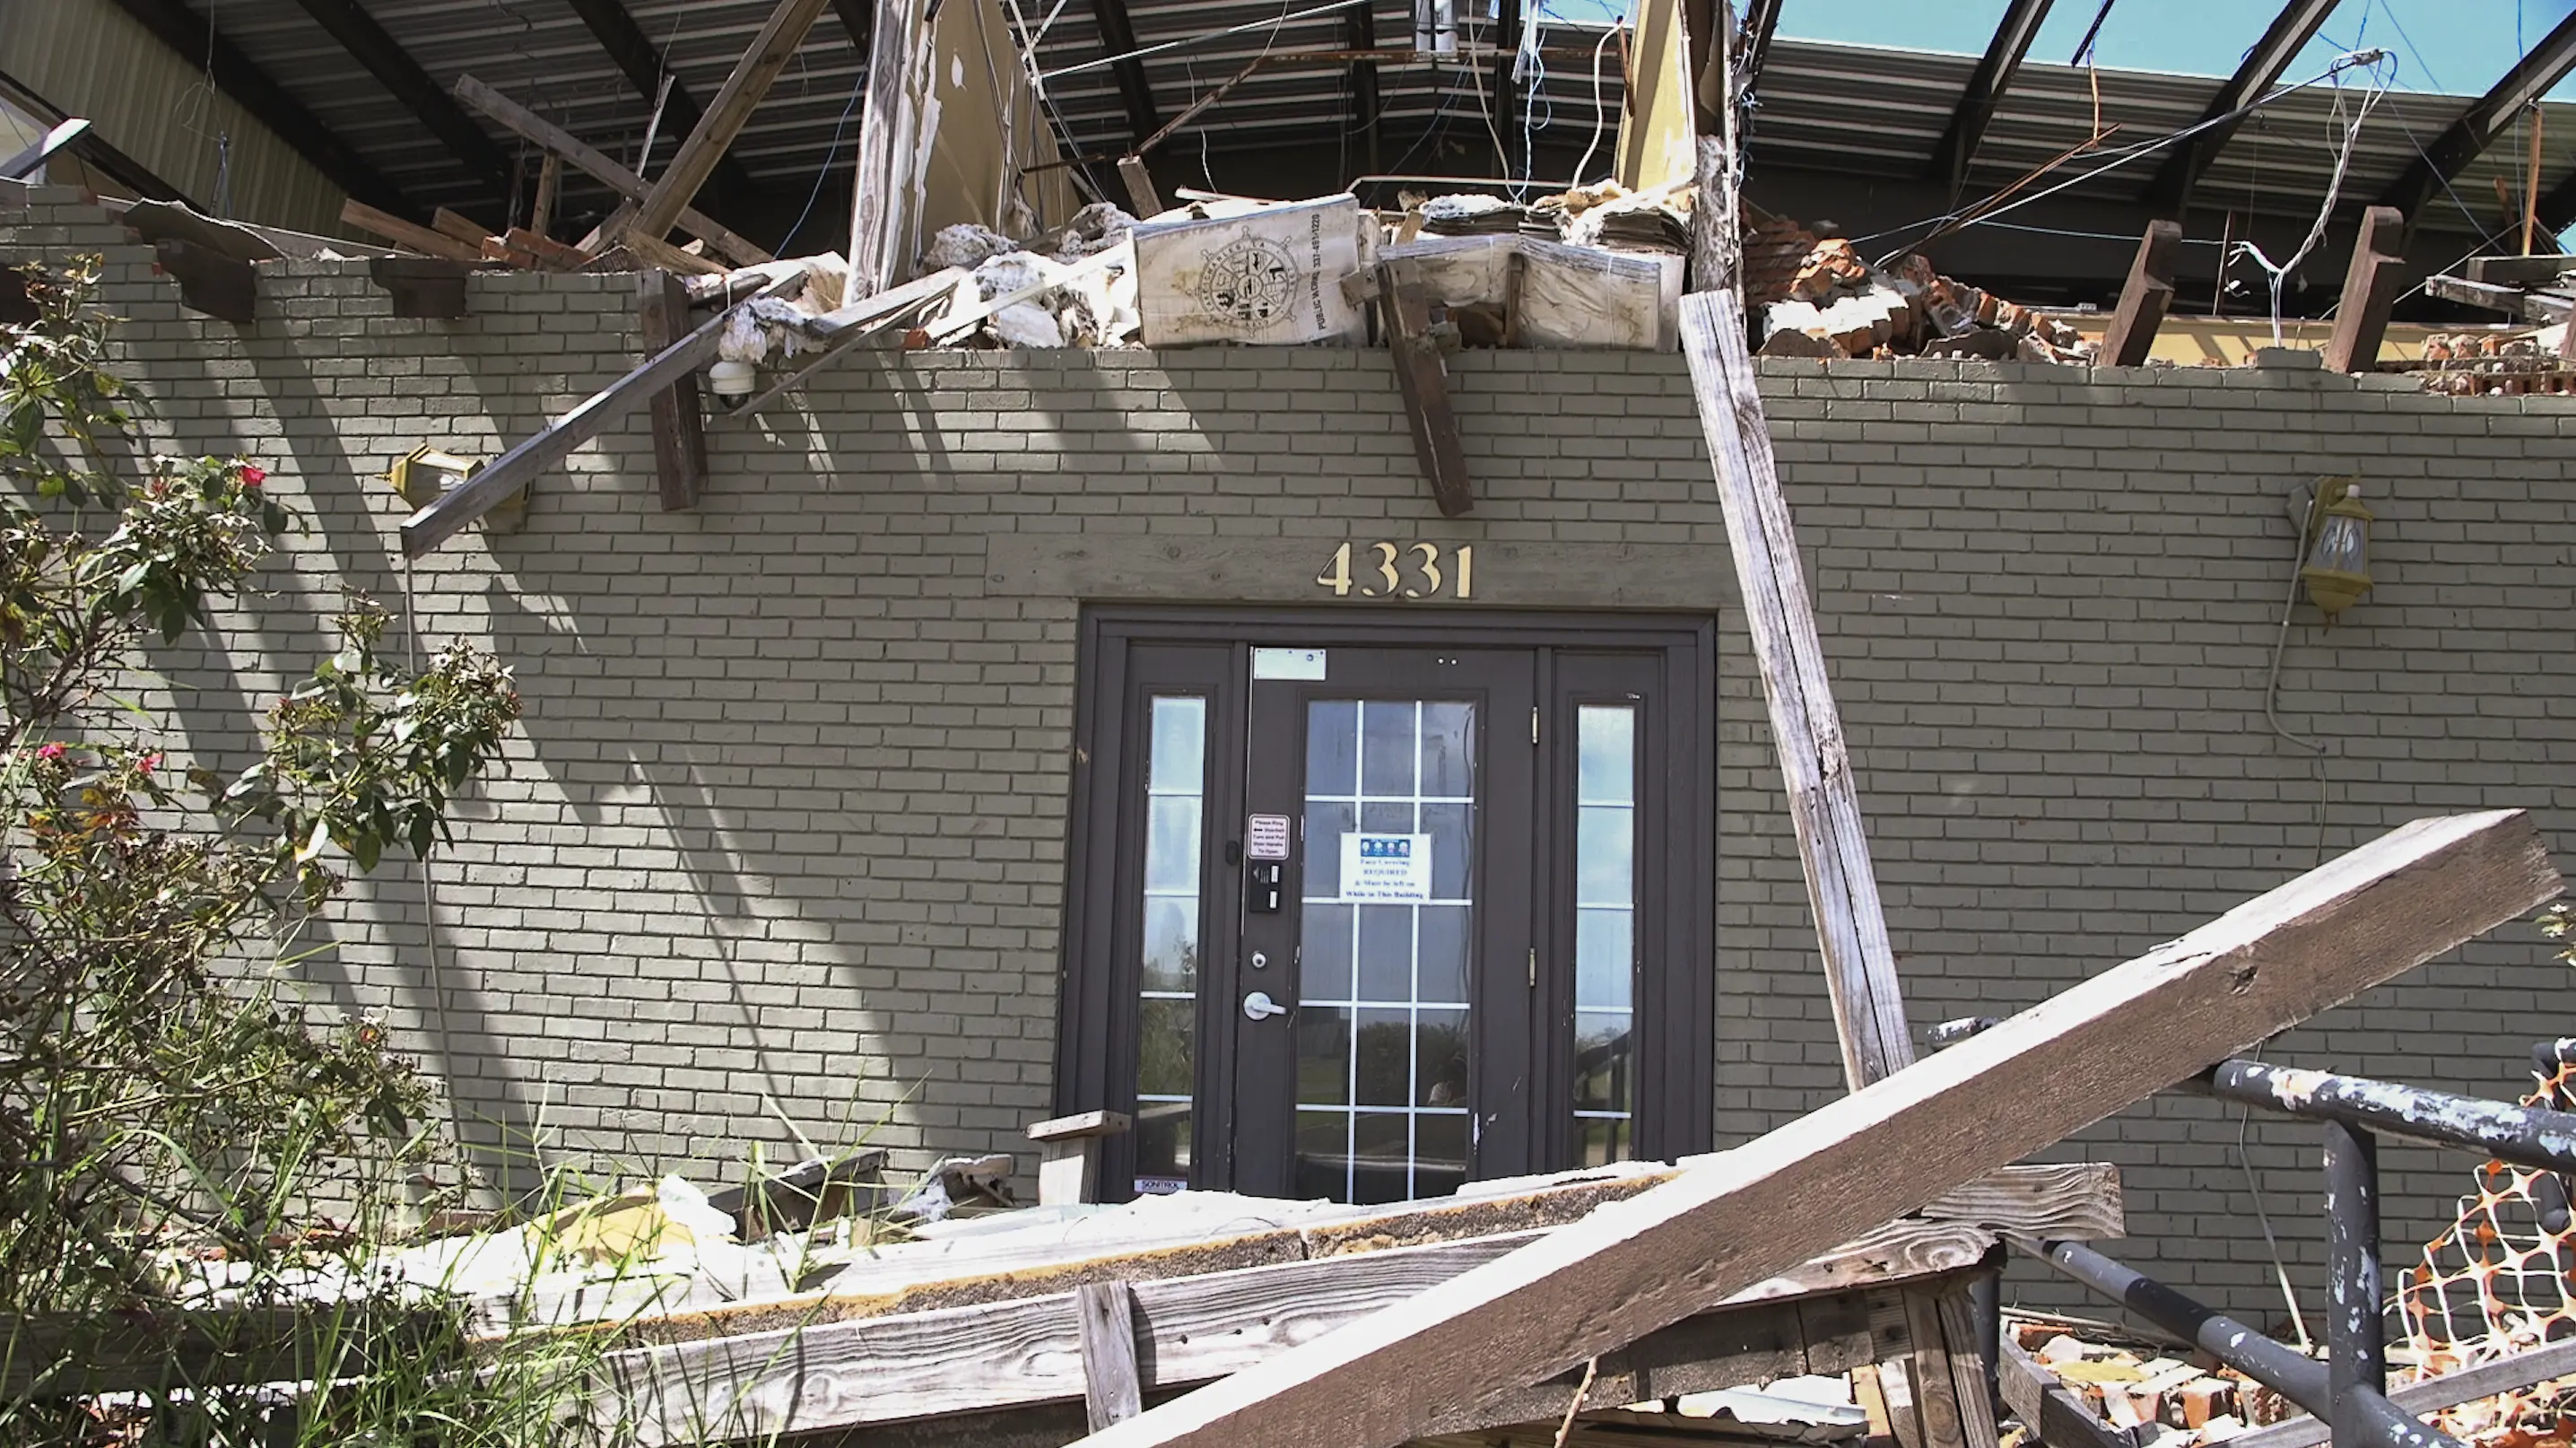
[{"x": 782, "y": 840}]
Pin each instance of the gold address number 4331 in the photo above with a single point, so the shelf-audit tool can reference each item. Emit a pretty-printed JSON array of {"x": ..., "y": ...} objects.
[{"x": 1401, "y": 570}]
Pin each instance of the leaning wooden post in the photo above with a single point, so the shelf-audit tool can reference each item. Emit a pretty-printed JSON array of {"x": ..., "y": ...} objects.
[
  {"x": 2369, "y": 290},
  {"x": 1806, "y": 729},
  {"x": 2144, "y": 297}
]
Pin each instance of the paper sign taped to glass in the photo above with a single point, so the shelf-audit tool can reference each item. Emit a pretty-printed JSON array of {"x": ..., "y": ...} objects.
[{"x": 1386, "y": 869}]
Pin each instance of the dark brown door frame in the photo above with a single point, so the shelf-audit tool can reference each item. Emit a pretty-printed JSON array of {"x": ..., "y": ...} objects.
[{"x": 1095, "y": 1035}]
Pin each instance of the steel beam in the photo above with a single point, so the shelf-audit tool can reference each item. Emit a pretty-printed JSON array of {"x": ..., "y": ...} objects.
[
  {"x": 1986, "y": 86},
  {"x": 2290, "y": 30},
  {"x": 393, "y": 67},
  {"x": 2489, "y": 117},
  {"x": 237, "y": 76},
  {"x": 1117, "y": 37},
  {"x": 2532, "y": 1136},
  {"x": 2356, "y": 1342},
  {"x": 1359, "y": 32},
  {"x": 642, "y": 62}
]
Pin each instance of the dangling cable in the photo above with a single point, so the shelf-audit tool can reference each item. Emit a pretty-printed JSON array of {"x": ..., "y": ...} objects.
[{"x": 2279, "y": 275}]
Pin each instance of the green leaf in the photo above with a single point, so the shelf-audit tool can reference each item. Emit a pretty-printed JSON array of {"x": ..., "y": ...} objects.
[{"x": 366, "y": 849}]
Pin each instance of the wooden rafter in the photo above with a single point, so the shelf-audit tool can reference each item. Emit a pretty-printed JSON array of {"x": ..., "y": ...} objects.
[
  {"x": 1986, "y": 87},
  {"x": 1117, "y": 37},
  {"x": 560, "y": 142},
  {"x": 2144, "y": 297},
  {"x": 237, "y": 76},
  {"x": 644, "y": 66},
  {"x": 1634, "y": 1266},
  {"x": 2290, "y": 30},
  {"x": 2477, "y": 128},
  {"x": 741, "y": 94},
  {"x": 373, "y": 47}
]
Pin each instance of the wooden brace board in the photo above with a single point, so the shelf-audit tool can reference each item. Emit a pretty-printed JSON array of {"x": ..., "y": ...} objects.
[{"x": 1640, "y": 1264}]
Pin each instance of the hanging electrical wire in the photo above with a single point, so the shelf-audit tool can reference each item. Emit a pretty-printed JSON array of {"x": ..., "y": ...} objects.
[
  {"x": 1600, "y": 112},
  {"x": 2127, "y": 154},
  {"x": 1202, "y": 38},
  {"x": 2349, "y": 119}
]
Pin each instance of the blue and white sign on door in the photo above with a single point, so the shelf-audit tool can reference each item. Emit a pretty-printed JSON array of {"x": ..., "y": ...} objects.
[{"x": 1386, "y": 868}]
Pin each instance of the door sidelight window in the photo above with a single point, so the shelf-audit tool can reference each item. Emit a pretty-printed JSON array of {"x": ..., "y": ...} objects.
[
  {"x": 1175, "y": 844},
  {"x": 1605, "y": 932}
]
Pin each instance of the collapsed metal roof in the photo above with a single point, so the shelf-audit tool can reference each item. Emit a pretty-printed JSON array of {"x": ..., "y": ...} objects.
[{"x": 594, "y": 67}]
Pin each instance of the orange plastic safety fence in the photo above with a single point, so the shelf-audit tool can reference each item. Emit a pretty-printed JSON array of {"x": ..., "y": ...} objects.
[{"x": 2498, "y": 1282}]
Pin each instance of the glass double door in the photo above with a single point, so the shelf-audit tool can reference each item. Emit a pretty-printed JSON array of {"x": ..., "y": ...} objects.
[{"x": 1369, "y": 920}]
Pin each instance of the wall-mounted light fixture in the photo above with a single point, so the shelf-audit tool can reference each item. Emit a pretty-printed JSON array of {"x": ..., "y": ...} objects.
[
  {"x": 2334, "y": 550},
  {"x": 421, "y": 476}
]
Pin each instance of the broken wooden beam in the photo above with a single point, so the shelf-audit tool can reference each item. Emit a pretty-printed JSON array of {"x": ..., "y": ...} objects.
[
  {"x": 593, "y": 163},
  {"x": 458, "y": 227},
  {"x": 734, "y": 102},
  {"x": 1636, "y": 1265},
  {"x": 1069, "y": 1173},
  {"x": 2519, "y": 271},
  {"x": 817, "y": 1375},
  {"x": 679, "y": 417},
  {"x": 2369, "y": 290},
  {"x": 403, "y": 233},
  {"x": 223, "y": 287},
  {"x": 1422, "y": 377},
  {"x": 541, "y": 210},
  {"x": 2144, "y": 297},
  {"x": 515, "y": 469},
  {"x": 1111, "y": 1392},
  {"x": 422, "y": 286},
  {"x": 2544, "y": 307},
  {"x": 1806, "y": 728},
  {"x": 1141, "y": 196}
]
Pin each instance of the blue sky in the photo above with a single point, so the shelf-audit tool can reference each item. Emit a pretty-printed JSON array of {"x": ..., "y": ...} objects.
[{"x": 2457, "y": 46}]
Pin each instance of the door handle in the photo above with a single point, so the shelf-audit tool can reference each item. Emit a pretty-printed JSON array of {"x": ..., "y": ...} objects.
[{"x": 1258, "y": 1006}]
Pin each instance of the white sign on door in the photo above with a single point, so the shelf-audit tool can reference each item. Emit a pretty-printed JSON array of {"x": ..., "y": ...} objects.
[
  {"x": 1266, "y": 837},
  {"x": 1386, "y": 868}
]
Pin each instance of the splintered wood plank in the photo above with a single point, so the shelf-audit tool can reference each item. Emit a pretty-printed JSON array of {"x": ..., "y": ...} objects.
[
  {"x": 1636, "y": 1265},
  {"x": 1806, "y": 729},
  {"x": 1141, "y": 196},
  {"x": 1404, "y": 309},
  {"x": 734, "y": 102},
  {"x": 1110, "y": 1390},
  {"x": 816, "y": 1374},
  {"x": 679, "y": 419},
  {"x": 2144, "y": 297},
  {"x": 403, "y": 233}
]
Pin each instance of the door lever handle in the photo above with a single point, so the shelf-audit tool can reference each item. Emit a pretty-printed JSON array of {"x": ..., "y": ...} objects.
[{"x": 1258, "y": 1006}]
